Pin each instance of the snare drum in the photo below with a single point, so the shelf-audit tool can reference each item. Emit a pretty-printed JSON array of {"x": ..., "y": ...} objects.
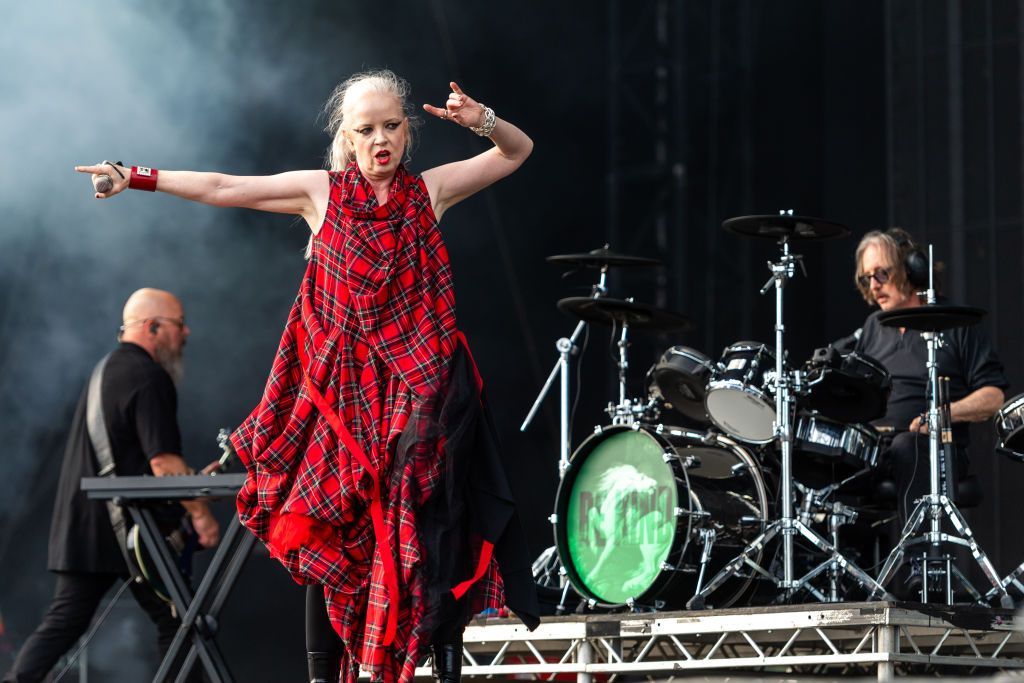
[
  {"x": 681, "y": 377},
  {"x": 738, "y": 399},
  {"x": 855, "y": 445},
  {"x": 1009, "y": 423}
]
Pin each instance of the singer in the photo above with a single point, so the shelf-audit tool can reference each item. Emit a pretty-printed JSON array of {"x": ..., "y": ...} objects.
[{"x": 372, "y": 440}]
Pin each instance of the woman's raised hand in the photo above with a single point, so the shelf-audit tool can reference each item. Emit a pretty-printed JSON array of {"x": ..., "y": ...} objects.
[
  {"x": 119, "y": 176},
  {"x": 460, "y": 108}
]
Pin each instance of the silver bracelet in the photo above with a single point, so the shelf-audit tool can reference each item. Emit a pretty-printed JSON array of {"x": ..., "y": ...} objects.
[{"x": 487, "y": 128}]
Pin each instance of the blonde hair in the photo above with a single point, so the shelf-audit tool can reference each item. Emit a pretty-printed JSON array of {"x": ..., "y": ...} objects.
[{"x": 384, "y": 81}]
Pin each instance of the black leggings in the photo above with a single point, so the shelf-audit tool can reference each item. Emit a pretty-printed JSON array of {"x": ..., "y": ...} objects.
[{"x": 320, "y": 635}]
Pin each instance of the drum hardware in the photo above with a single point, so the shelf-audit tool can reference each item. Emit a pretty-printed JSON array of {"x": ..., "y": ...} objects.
[
  {"x": 783, "y": 229},
  {"x": 931, "y": 319},
  {"x": 816, "y": 507}
]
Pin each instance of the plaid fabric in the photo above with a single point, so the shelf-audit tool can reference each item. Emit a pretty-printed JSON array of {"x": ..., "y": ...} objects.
[{"x": 375, "y": 314}]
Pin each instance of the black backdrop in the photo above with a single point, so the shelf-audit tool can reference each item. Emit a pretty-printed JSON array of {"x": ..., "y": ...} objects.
[{"x": 866, "y": 113}]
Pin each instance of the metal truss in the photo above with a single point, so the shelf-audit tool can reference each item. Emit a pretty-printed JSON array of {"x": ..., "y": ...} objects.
[{"x": 858, "y": 638}]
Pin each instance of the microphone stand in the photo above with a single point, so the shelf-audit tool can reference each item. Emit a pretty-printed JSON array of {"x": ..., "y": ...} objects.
[{"x": 566, "y": 347}]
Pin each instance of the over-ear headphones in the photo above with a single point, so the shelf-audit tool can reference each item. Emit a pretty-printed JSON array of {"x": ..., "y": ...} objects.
[
  {"x": 915, "y": 263},
  {"x": 153, "y": 327}
]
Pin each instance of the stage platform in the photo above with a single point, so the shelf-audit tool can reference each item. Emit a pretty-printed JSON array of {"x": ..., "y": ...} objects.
[{"x": 866, "y": 639}]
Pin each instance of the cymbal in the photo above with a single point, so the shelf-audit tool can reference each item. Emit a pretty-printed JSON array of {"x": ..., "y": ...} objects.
[
  {"x": 637, "y": 316},
  {"x": 801, "y": 228},
  {"x": 932, "y": 317},
  {"x": 599, "y": 258}
]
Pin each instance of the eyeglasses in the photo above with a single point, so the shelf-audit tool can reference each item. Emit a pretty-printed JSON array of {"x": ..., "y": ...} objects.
[
  {"x": 180, "y": 322},
  {"x": 881, "y": 276}
]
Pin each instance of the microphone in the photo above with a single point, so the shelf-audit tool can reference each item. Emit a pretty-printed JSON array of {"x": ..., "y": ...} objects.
[{"x": 102, "y": 183}]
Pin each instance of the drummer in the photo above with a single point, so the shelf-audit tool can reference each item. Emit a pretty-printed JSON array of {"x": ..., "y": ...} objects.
[{"x": 890, "y": 273}]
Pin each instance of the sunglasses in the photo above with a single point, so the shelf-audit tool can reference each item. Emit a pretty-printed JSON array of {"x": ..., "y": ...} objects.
[{"x": 881, "y": 276}]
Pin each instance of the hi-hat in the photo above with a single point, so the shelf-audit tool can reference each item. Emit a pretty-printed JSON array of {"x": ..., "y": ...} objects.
[
  {"x": 932, "y": 317},
  {"x": 600, "y": 258},
  {"x": 780, "y": 226},
  {"x": 637, "y": 316}
]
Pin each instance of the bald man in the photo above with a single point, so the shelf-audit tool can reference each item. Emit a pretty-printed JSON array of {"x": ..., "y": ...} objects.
[{"x": 140, "y": 411}]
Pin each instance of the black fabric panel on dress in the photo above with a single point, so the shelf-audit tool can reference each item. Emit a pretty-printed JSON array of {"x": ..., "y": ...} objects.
[{"x": 472, "y": 499}]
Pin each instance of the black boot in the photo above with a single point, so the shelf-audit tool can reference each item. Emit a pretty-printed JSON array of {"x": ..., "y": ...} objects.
[
  {"x": 446, "y": 661},
  {"x": 324, "y": 667}
]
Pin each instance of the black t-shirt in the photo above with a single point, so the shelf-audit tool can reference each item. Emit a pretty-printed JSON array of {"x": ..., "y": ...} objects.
[
  {"x": 966, "y": 357},
  {"x": 140, "y": 410}
]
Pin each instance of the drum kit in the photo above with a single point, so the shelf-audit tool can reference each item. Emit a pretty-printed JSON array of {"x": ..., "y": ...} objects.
[{"x": 679, "y": 500}]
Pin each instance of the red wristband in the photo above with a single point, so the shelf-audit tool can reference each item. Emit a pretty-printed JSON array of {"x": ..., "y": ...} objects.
[{"x": 143, "y": 178}]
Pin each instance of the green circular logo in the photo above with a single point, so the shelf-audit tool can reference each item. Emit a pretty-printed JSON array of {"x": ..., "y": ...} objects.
[{"x": 621, "y": 516}]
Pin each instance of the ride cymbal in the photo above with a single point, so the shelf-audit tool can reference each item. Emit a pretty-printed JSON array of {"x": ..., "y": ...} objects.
[
  {"x": 932, "y": 317},
  {"x": 803, "y": 228}
]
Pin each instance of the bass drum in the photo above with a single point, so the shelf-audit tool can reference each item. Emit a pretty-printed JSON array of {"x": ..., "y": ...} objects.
[{"x": 637, "y": 505}]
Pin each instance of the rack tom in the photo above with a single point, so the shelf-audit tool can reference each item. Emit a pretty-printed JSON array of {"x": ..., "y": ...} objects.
[
  {"x": 738, "y": 398},
  {"x": 681, "y": 377}
]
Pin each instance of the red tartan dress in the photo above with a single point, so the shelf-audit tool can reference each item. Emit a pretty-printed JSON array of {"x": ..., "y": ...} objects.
[{"x": 366, "y": 350}]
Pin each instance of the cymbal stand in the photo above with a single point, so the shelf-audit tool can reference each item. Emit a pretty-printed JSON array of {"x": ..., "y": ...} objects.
[
  {"x": 936, "y": 503},
  {"x": 566, "y": 347},
  {"x": 626, "y": 411},
  {"x": 788, "y": 526}
]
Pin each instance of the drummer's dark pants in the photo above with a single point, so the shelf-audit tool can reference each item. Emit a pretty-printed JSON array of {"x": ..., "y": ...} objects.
[
  {"x": 75, "y": 599},
  {"x": 908, "y": 459}
]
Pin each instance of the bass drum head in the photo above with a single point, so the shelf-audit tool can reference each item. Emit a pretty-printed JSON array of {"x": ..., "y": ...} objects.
[
  {"x": 632, "y": 502},
  {"x": 619, "y": 518}
]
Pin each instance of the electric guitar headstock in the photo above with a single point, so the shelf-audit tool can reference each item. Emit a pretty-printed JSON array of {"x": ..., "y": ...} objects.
[{"x": 227, "y": 452}]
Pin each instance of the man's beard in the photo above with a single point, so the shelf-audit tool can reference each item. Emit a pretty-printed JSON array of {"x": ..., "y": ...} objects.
[{"x": 172, "y": 362}]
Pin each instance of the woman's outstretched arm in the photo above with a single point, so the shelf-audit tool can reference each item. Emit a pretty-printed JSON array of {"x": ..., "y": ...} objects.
[{"x": 301, "y": 193}]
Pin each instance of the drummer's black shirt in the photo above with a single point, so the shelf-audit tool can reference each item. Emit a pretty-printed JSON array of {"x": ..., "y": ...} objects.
[
  {"x": 966, "y": 357},
  {"x": 139, "y": 407}
]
